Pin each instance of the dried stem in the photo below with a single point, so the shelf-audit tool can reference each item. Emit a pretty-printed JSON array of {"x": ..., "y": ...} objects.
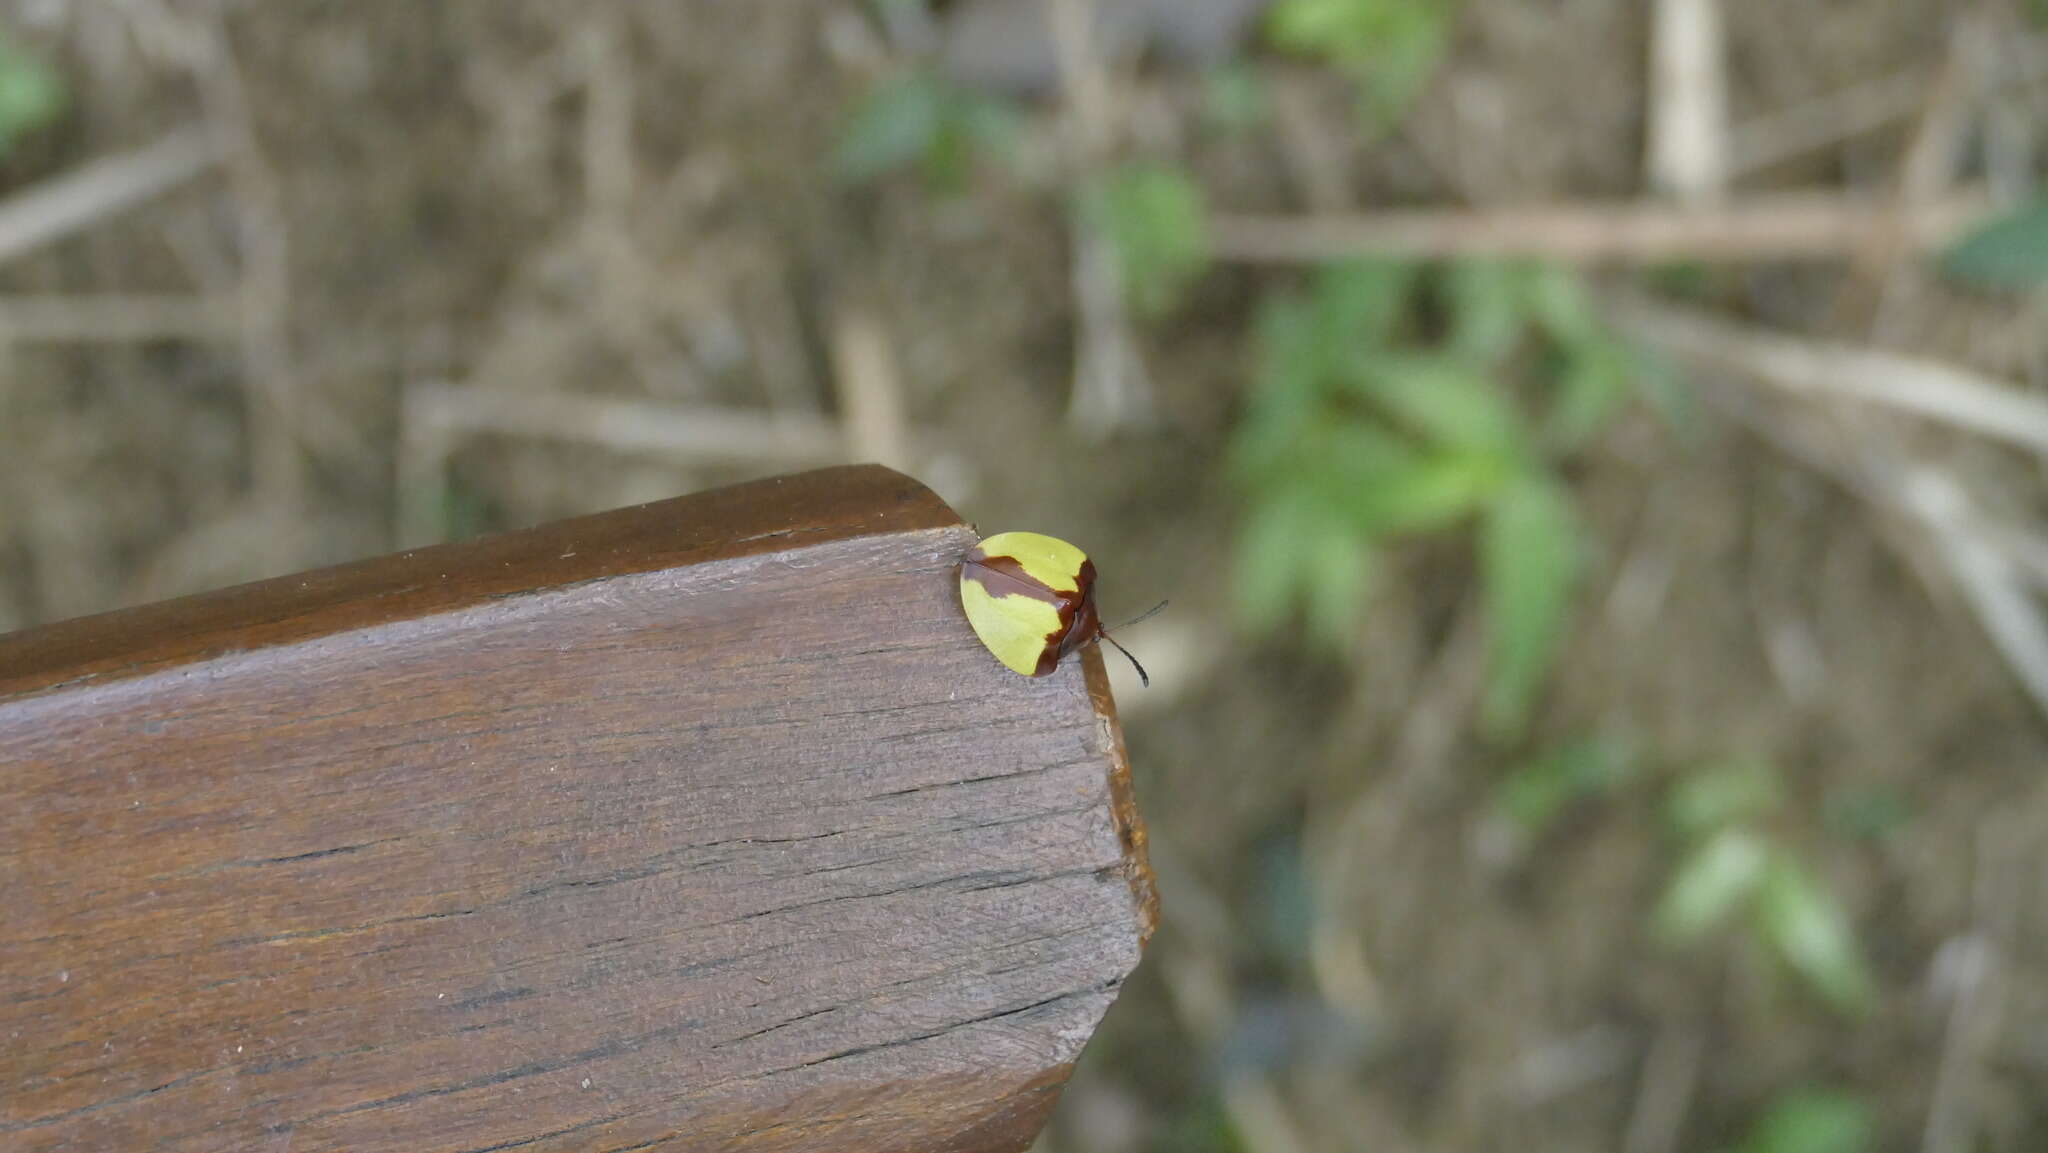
[
  {"x": 1924, "y": 388},
  {"x": 1111, "y": 389},
  {"x": 1688, "y": 153},
  {"x": 69, "y": 204},
  {"x": 1786, "y": 226},
  {"x": 113, "y": 317}
]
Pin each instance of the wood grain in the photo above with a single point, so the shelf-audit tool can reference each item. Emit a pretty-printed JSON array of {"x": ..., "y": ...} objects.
[{"x": 706, "y": 824}]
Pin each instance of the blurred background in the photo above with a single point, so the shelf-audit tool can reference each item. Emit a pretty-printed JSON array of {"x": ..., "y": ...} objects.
[{"x": 1593, "y": 448}]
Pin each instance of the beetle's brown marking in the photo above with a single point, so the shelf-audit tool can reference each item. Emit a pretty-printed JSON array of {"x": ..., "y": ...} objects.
[{"x": 1004, "y": 576}]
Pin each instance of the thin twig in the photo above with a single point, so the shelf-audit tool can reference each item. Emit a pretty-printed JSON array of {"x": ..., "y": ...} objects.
[
  {"x": 1974, "y": 964},
  {"x": 436, "y": 417},
  {"x": 870, "y": 389},
  {"x": 271, "y": 371},
  {"x": 1824, "y": 121},
  {"x": 1671, "y": 1074},
  {"x": 1987, "y": 577},
  {"x": 1688, "y": 153},
  {"x": 114, "y": 317},
  {"x": 1785, "y": 226},
  {"x": 1926, "y": 172},
  {"x": 609, "y": 169},
  {"x": 64, "y": 205},
  {"x": 1315, "y": 154},
  {"x": 625, "y": 281},
  {"x": 1566, "y": 1065},
  {"x": 1926, "y": 388},
  {"x": 1973, "y": 555},
  {"x": 703, "y": 433},
  {"x": 1111, "y": 389},
  {"x": 425, "y": 443}
]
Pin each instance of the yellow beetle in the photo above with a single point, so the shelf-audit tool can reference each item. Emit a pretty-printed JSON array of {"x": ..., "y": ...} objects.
[{"x": 1031, "y": 600}]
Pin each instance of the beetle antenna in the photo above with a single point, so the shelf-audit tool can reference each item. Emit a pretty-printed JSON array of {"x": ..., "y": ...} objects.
[
  {"x": 1142, "y": 678},
  {"x": 1147, "y": 615}
]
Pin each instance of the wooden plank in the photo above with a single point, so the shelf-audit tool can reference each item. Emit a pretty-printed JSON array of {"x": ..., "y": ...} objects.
[{"x": 700, "y": 825}]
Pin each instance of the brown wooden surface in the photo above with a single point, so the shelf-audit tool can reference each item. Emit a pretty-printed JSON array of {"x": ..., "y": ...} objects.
[{"x": 701, "y": 825}]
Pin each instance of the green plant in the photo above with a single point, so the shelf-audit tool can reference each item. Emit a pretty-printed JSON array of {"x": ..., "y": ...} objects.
[
  {"x": 1866, "y": 813},
  {"x": 1812, "y": 1121},
  {"x": 31, "y": 93},
  {"x": 1234, "y": 98},
  {"x": 1391, "y": 400},
  {"x": 916, "y": 119},
  {"x": 2007, "y": 252},
  {"x": 1204, "y": 1126},
  {"x": 1540, "y": 789},
  {"x": 1388, "y": 48},
  {"x": 465, "y": 511},
  {"x": 1729, "y": 866},
  {"x": 1155, "y": 222}
]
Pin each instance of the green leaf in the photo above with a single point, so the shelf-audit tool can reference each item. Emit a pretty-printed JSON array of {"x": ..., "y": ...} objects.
[
  {"x": 1867, "y": 813},
  {"x": 1337, "y": 29},
  {"x": 1340, "y": 574},
  {"x": 31, "y": 93},
  {"x": 1359, "y": 305},
  {"x": 1486, "y": 303},
  {"x": 1291, "y": 364},
  {"x": 1665, "y": 388},
  {"x": 894, "y": 127},
  {"x": 915, "y": 119},
  {"x": 1709, "y": 885},
  {"x": 992, "y": 127},
  {"x": 1294, "y": 548},
  {"x": 1427, "y": 492},
  {"x": 1808, "y": 930},
  {"x": 1690, "y": 280},
  {"x": 464, "y": 511},
  {"x": 1201, "y": 1126},
  {"x": 2010, "y": 252},
  {"x": 1284, "y": 408},
  {"x": 1442, "y": 399},
  {"x": 1388, "y": 47},
  {"x": 1273, "y": 545},
  {"x": 1286, "y": 912},
  {"x": 1591, "y": 385},
  {"x": 1234, "y": 98},
  {"x": 1709, "y": 798},
  {"x": 1154, "y": 218},
  {"x": 1814, "y": 1121},
  {"x": 1529, "y": 565},
  {"x": 1535, "y": 793},
  {"x": 1563, "y": 308},
  {"x": 1350, "y": 461}
]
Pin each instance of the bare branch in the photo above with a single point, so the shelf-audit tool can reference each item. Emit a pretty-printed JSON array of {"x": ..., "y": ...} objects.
[
  {"x": 1688, "y": 153},
  {"x": 68, "y": 204},
  {"x": 437, "y": 417},
  {"x": 870, "y": 389},
  {"x": 702, "y": 433},
  {"x": 1995, "y": 589},
  {"x": 1825, "y": 120},
  {"x": 1111, "y": 388},
  {"x": 114, "y": 317},
  {"x": 1786, "y": 226},
  {"x": 1926, "y": 388}
]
